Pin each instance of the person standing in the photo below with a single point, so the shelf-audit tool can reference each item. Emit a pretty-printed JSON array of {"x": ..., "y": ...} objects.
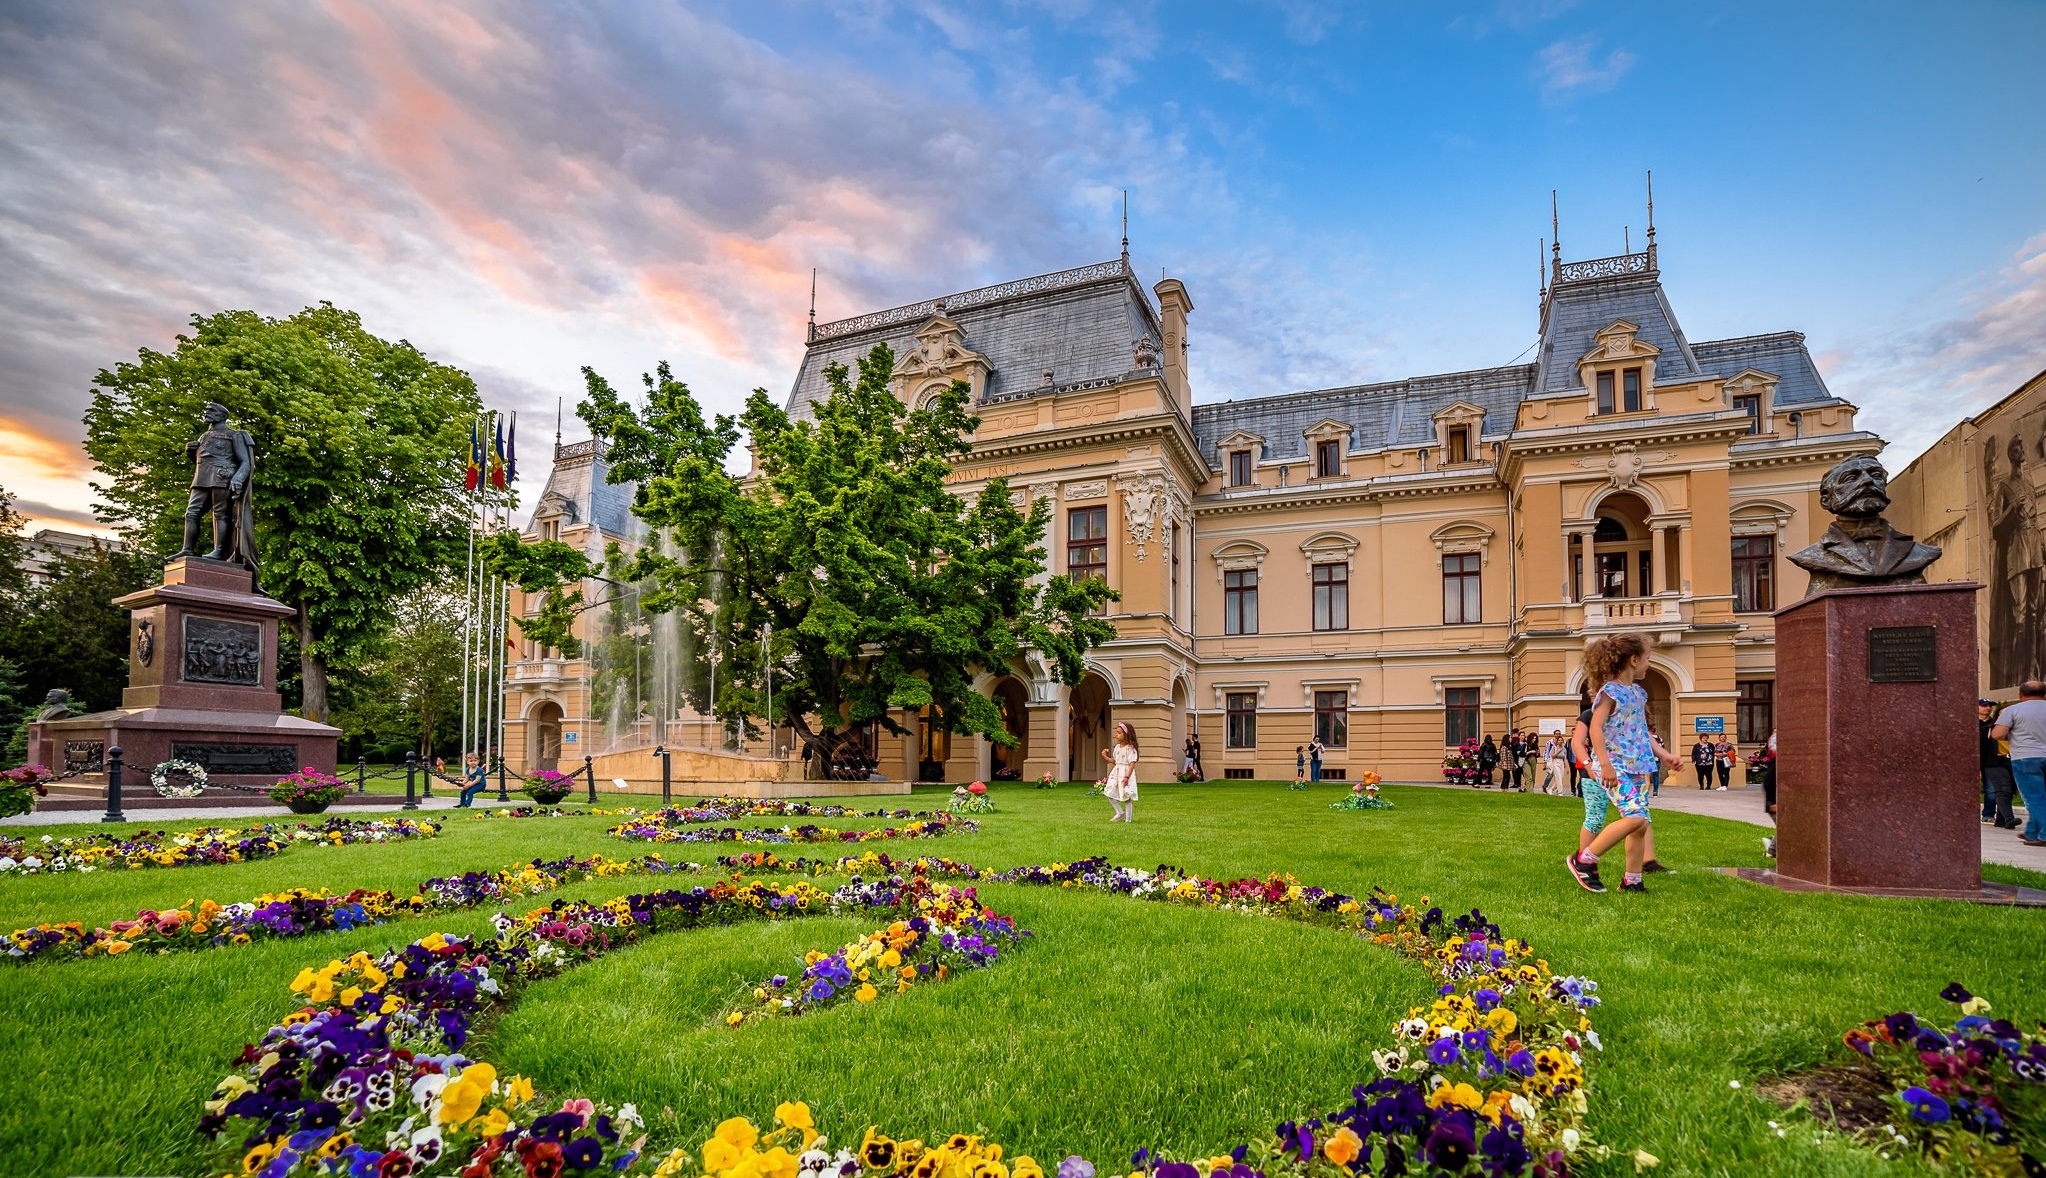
[
  {"x": 1190, "y": 764},
  {"x": 1769, "y": 777},
  {"x": 1702, "y": 759},
  {"x": 1655, "y": 777},
  {"x": 1299, "y": 766},
  {"x": 1509, "y": 760},
  {"x": 2023, "y": 724},
  {"x": 1314, "y": 749},
  {"x": 1997, "y": 783},
  {"x": 1722, "y": 755},
  {"x": 1121, "y": 787},
  {"x": 1555, "y": 763},
  {"x": 1488, "y": 758}
]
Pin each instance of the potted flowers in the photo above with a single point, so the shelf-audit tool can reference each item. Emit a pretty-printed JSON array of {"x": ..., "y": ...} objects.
[
  {"x": 1363, "y": 795},
  {"x": 971, "y": 799},
  {"x": 548, "y": 787},
  {"x": 1462, "y": 764},
  {"x": 1046, "y": 781},
  {"x": 20, "y": 789},
  {"x": 308, "y": 791}
]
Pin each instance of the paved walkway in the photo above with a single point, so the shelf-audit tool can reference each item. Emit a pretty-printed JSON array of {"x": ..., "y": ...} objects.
[
  {"x": 1745, "y": 805},
  {"x": 155, "y": 814}
]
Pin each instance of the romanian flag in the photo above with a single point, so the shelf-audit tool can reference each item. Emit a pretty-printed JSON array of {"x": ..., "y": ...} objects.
[
  {"x": 497, "y": 458},
  {"x": 511, "y": 451},
  {"x": 475, "y": 474}
]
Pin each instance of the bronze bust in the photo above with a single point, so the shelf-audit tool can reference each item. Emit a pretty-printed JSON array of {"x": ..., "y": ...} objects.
[{"x": 1861, "y": 548}]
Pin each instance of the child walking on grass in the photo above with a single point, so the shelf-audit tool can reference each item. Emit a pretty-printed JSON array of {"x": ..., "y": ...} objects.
[
  {"x": 1624, "y": 754},
  {"x": 1299, "y": 766},
  {"x": 1121, "y": 786}
]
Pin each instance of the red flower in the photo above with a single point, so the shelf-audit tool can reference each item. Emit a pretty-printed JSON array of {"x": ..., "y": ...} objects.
[
  {"x": 542, "y": 1159},
  {"x": 978, "y": 787}
]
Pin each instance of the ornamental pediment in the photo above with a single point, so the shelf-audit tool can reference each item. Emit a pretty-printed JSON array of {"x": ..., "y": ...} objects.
[
  {"x": 1619, "y": 341},
  {"x": 1458, "y": 413},
  {"x": 941, "y": 350}
]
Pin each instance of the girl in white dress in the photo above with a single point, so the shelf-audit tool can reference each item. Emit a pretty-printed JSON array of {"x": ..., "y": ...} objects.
[{"x": 1121, "y": 786}]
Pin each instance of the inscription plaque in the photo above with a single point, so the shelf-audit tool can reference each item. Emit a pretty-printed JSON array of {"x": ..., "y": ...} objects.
[
  {"x": 218, "y": 651},
  {"x": 1903, "y": 654},
  {"x": 265, "y": 759},
  {"x": 83, "y": 755}
]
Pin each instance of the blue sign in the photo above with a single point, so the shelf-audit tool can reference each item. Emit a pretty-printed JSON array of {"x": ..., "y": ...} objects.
[
  {"x": 568, "y": 738},
  {"x": 1711, "y": 724}
]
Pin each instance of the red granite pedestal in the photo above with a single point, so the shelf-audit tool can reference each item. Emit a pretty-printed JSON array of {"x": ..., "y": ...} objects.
[
  {"x": 1876, "y": 742},
  {"x": 202, "y": 687}
]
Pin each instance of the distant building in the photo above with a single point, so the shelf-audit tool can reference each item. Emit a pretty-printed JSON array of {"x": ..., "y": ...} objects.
[
  {"x": 1980, "y": 494},
  {"x": 1392, "y": 567},
  {"x": 41, "y": 551}
]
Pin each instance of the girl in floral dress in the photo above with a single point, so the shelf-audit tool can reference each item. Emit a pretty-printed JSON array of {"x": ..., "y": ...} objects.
[
  {"x": 1625, "y": 754},
  {"x": 1121, "y": 787}
]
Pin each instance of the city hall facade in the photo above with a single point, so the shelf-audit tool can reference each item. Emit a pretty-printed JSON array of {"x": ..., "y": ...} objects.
[{"x": 1391, "y": 566}]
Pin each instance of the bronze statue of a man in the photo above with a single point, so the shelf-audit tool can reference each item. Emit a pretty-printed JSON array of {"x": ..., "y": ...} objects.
[
  {"x": 222, "y": 461},
  {"x": 1861, "y": 548}
]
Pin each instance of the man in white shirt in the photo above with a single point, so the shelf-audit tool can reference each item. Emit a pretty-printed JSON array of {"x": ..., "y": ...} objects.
[{"x": 2024, "y": 725}]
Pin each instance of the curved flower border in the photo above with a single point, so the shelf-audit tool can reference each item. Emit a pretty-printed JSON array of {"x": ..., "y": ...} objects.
[
  {"x": 672, "y": 826},
  {"x": 204, "y": 846},
  {"x": 1490, "y": 1075},
  {"x": 159, "y": 779}
]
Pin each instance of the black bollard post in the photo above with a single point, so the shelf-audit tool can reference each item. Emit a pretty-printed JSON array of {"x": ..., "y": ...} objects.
[
  {"x": 361, "y": 774},
  {"x": 411, "y": 781},
  {"x": 667, "y": 787},
  {"x": 426, "y": 775},
  {"x": 590, "y": 772},
  {"x": 502, "y": 794},
  {"x": 114, "y": 786}
]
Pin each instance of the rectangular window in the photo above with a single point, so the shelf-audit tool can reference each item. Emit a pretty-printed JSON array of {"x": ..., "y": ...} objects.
[
  {"x": 1612, "y": 574},
  {"x": 1754, "y": 573},
  {"x": 1239, "y": 468},
  {"x": 1755, "y": 708},
  {"x": 1459, "y": 715},
  {"x": 1751, "y": 404},
  {"x": 1087, "y": 543},
  {"x": 550, "y": 529},
  {"x": 1328, "y": 459},
  {"x": 1172, "y": 540},
  {"x": 1239, "y": 601},
  {"x": 1332, "y": 718},
  {"x": 1630, "y": 390},
  {"x": 1605, "y": 392},
  {"x": 1332, "y": 597},
  {"x": 1460, "y": 444},
  {"x": 1462, "y": 601},
  {"x": 1241, "y": 730},
  {"x": 1647, "y": 581},
  {"x": 1239, "y": 774}
]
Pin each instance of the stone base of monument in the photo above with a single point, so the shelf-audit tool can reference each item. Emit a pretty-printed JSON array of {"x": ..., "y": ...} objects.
[
  {"x": 1877, "y": 793},
  {"x": 1988, "y": 893},
  {"x": 202, "y": 687}
]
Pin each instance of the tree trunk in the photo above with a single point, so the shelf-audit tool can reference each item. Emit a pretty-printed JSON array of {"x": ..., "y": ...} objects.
[{"x": 312, "y": 672}]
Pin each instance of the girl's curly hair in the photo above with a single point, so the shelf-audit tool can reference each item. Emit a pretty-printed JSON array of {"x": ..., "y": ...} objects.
[{"x": 1603, "y": 657}]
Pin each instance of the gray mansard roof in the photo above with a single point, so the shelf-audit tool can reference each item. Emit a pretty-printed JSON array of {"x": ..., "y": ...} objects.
[
  {"x": 1381, "y": 416},
  {"x": 578, "y": 487},
  {"x": 1082, "y": 324}
]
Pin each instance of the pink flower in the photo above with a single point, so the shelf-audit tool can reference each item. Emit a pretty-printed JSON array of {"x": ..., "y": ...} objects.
[
  {"x": 978, "y": 787},
  {"x": 580, "y": 1107}
]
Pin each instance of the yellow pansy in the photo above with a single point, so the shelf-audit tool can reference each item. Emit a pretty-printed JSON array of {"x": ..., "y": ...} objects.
[
  {"x": 719, "y": 1154},
  {"x": 738, "y": 1131},
  {"x": 519, "y": 1089}
]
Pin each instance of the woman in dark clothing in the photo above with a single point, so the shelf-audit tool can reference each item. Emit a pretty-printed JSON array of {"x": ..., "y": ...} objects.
[{"x": 1488, "y": 758}]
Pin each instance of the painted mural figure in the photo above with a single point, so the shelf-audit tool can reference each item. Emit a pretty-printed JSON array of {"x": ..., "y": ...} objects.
[{"x": 2015, "y": 606}]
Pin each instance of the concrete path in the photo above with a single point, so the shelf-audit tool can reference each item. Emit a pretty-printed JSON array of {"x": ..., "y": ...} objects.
[
  {"x": 157, "y": 814},
  {"x": 1745, "y": 805}
]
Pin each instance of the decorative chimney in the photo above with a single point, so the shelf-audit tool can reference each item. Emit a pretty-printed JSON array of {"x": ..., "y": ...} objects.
[{"x": 1175, "y": 305}]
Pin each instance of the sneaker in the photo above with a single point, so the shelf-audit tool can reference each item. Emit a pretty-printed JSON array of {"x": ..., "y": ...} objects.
[
  {"x": 1769, "y": 846},
  {"x": 1722, "y": 789},
  {"x": 1586, "y": 874},
  {"x": 1653, "y": 866},
  {"x": 1636, "y": 886}
]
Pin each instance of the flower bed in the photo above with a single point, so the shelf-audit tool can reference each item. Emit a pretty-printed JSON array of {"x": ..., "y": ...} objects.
[
  {"x": 22, "y": 788},
  {"x": 728, "y": 809},
  {"x": 949, "y": 931},
  {"x": 548, "y": 786},
  {"x": 971, "y": 799},
  {"x": 669, "y": 826},
  {"x": 308, "y": 791},
  {"x": 1363, "y": 796},
  {"x": 553, "y": 812},
  {"x": 1462, "y": 765},
  {"x": 1970, "y": 1093},
  {"x": 371, "y": 1077},
  {"x": 203, "y": 847}
]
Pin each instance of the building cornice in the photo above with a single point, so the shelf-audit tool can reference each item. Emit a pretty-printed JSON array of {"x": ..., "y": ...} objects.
[{"x": 1363, "y": 490}]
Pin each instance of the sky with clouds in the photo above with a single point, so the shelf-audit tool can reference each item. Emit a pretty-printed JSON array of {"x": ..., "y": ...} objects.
[{"x": 1350, "y": 191}]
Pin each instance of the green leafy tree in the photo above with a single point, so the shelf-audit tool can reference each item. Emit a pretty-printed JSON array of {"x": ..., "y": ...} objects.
[
  {"x": 360, "y": 448},
  {"x": 407, "y": 692},
  {"x": 12, "y": 576},
  {"x": 882, "y": 590}
]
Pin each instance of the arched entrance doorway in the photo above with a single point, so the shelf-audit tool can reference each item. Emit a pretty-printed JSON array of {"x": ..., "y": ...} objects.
[
  {"x": 1013, "y": 702},
  {"x": 544, "y": 721},
  {"x": 1659, "y": 713},
  {"x": 1622, "y": 565},
  {"x": 1087, "y": 728}
]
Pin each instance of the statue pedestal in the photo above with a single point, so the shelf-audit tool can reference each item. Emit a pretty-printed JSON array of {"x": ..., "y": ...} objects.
[
  {"x": 202, "y": 687},
  {"x": 1876, "y": 741}
]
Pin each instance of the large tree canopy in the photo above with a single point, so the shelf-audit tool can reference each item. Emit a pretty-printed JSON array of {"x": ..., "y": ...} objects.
[
  {"x": 360, "y": 449},
  {"x": 881, "y": 588}
]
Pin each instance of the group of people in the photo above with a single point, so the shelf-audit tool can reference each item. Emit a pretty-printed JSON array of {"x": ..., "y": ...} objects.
[
  {"x": 2014, "y": 761},
  {"x": 1517, "y": 759},
  {"x": 1712, "y": 757}
]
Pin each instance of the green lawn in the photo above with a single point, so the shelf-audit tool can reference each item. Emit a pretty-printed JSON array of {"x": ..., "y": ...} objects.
[{"x": 1119, "y": 1025}]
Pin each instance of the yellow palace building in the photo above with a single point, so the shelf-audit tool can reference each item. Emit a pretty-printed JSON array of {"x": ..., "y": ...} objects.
[{"x": 1391, "y": 566}]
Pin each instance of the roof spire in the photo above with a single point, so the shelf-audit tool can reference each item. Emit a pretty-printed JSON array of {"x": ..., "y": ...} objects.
[
  {"x": 557, "y": 423},
  {"x": 1555, "y": 241},
  {"x": 1651, "y": 220},
  {"x": 812, "y": 334},
  {"x": 1125, "y": 228}
]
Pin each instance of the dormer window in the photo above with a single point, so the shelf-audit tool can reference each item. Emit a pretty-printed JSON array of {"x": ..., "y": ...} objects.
[
  {"x": 1328, "y": 458},
  {"x": 1459, "y": 443},
  {"x": 1751, "y": 404},
  {"x": 550, "y": 529},
  {"x": 1629, "y": 399},
  {"x": 1239, "y": 468}
]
